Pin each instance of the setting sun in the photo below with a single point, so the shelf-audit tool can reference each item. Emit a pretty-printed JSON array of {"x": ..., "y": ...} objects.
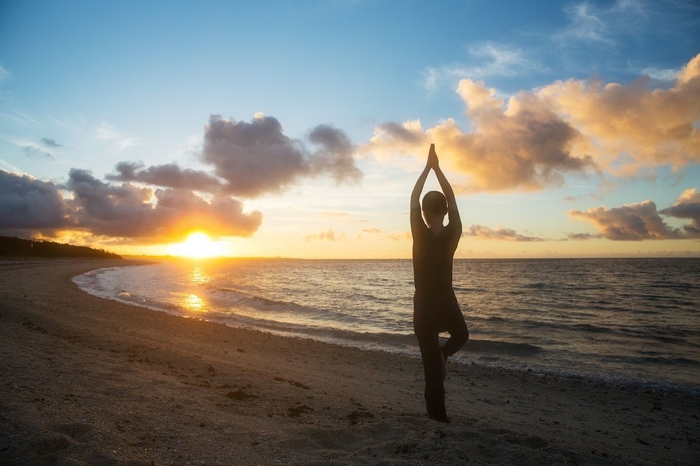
[{"x": 197, "y": 245}]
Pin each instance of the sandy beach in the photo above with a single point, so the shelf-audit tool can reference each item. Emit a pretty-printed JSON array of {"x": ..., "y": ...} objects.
[{"x": 86, "y": 381}]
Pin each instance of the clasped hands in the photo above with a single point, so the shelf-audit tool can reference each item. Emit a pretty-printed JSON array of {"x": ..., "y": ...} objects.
[{"x": 433, "y": 161}]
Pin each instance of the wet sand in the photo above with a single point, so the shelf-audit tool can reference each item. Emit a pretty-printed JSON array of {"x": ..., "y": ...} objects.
[{"x": 95, "y": 382}]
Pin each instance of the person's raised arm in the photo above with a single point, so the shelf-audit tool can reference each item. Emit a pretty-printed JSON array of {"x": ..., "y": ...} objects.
[
  {"x": 420, "y": 182},
  {"x": 444, "y": 184}
]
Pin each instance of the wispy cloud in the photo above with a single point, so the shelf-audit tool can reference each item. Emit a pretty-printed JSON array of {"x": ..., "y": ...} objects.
[
  {"x": 329, "y": 235},
  {"x": 661, "y": 74},
  {"x": 19, "y": 117},
  {"x": 50, "y": 143},
  {"x": 45, "y": 147},
  {"x": 108, "y": 133},
  {"x": 592, "y": 23},
  {"x": 488, "y": 59},
  {"x": 4, "y": 75}
]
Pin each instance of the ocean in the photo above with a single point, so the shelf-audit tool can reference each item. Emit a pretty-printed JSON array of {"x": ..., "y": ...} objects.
[{"x": 634, "y": 322}]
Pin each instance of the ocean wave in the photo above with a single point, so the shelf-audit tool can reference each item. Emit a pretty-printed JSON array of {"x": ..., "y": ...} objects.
[
  {"x": 648, "y": 359},
  {"x": 502, "y": 347},
  {"x": 234, "y": 298}
]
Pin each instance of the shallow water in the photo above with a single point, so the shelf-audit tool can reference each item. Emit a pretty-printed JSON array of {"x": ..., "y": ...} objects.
[{"x": 628, "y": 321}]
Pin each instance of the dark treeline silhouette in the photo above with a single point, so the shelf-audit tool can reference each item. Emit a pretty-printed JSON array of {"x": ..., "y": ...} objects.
[{"x": 29, "y": 248}]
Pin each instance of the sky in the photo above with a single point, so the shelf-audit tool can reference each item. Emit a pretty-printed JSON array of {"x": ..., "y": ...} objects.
[{"x": 298, "y": 129}]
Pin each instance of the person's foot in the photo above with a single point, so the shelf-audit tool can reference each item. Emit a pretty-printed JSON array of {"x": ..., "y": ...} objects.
[{"x": 443, "y": 418}]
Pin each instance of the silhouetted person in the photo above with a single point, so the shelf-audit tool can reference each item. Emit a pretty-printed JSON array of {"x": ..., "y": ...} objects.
[{"x": 435, "y": 307}]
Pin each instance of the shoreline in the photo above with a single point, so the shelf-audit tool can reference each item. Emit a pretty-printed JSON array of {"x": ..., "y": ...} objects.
[
  {"x": 90, "y": 380},
  {"x": 493, "y": 352}
]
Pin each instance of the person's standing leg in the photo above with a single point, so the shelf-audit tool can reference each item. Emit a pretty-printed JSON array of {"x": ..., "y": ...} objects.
[{"x": 432, "y": 358}]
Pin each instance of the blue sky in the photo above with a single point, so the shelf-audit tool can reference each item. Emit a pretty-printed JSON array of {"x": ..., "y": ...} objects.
[{"x": 89, "y": 85}]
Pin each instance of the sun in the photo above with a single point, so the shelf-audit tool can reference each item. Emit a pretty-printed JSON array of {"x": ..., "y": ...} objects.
[{"x": 198, "y": 245}]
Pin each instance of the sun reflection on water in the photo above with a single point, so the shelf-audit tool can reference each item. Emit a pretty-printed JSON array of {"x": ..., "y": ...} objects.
[
  {"x": 194, "y": 303},
  {"x": 199, "y": 275}
]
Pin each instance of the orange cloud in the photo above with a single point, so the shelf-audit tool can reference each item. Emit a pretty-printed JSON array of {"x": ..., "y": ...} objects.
[
  {"x": 534, "y": 139},
  {"x": 627, "y": 127},
  {"x": 329, "y": 235}
]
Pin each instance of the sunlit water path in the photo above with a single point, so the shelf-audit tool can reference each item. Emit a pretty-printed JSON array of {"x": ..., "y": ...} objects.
[{"x": 628, "y": 321}]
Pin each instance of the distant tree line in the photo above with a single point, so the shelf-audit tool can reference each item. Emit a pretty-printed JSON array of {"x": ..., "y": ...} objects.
[{"x": 29, "y": 248}]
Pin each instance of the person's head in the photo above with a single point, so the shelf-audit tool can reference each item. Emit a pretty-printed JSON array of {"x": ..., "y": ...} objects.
[{"x": 434, "y": 206}]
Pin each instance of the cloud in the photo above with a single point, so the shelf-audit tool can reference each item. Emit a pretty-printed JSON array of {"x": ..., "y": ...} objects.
[
  {"x": 488, "y": 59},
  {"x": 106, "y": 132},
  {"x": 128, "y": 211},
  {"x": 44, "y": 148},
  {"x": 642, "y": 221},
  {"x": 29, "y": 204},
  {"x": 32, "y": 150},
  {"x": 583, "y": 236},
  {"x": 335, "y": 154},
  {"x": 400, "y": 236},
  {"x": 585, "y": 24},
  {"x": 534, "y": 139},
  {"x": 251, "y": 159},
  {"x": 31, "y": 207},
  {"x": 257, "y": 157},
  {"x": 50, "y": 143},
  {"x": 593, "y": 24},
  {"x": 660, "y": 74},
  {"x": 523, "y": 145},
  {"x": 169, "y": 175},
  {"x": 500, "y": 233},
  {"x": 4, "y": 75},
  {"x": 329, "y": 235},
  {"x": 687, "y": 206},
  {"x": 628, "y": 127},
  {"x": 368, "y": 231}
]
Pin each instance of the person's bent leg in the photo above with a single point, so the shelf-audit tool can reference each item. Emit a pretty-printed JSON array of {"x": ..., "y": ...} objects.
[{"x": 459, "y": 334}]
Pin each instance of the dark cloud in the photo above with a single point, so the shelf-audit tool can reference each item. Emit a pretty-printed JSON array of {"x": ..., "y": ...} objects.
[
  {"x": 32, "y": 151},
  {"x": 128, "y": 211},
  {"x": 687, "y": 206},
  {"x": 251, "y": 159},
  {"x": 254, "y": 158},
  {"x": 335, "y": 156},
  {"x": 500, "y": 233},
  {"x": 109, "y": 210},
  {"x": 642, "y": 221},
  {"x": 169, "y": 176},
  {"x": 50, "y": 143},
  {"x": 44, "y": 148},
  {"x": 257, "y": 157},
  {"x": 28, "y": 204},
  {"x": 583, "y": 236},
  {"x": 402, "y": 133}
]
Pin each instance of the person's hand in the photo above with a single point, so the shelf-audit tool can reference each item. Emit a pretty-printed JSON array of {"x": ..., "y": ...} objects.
[{"x": 433, "y": 158}]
